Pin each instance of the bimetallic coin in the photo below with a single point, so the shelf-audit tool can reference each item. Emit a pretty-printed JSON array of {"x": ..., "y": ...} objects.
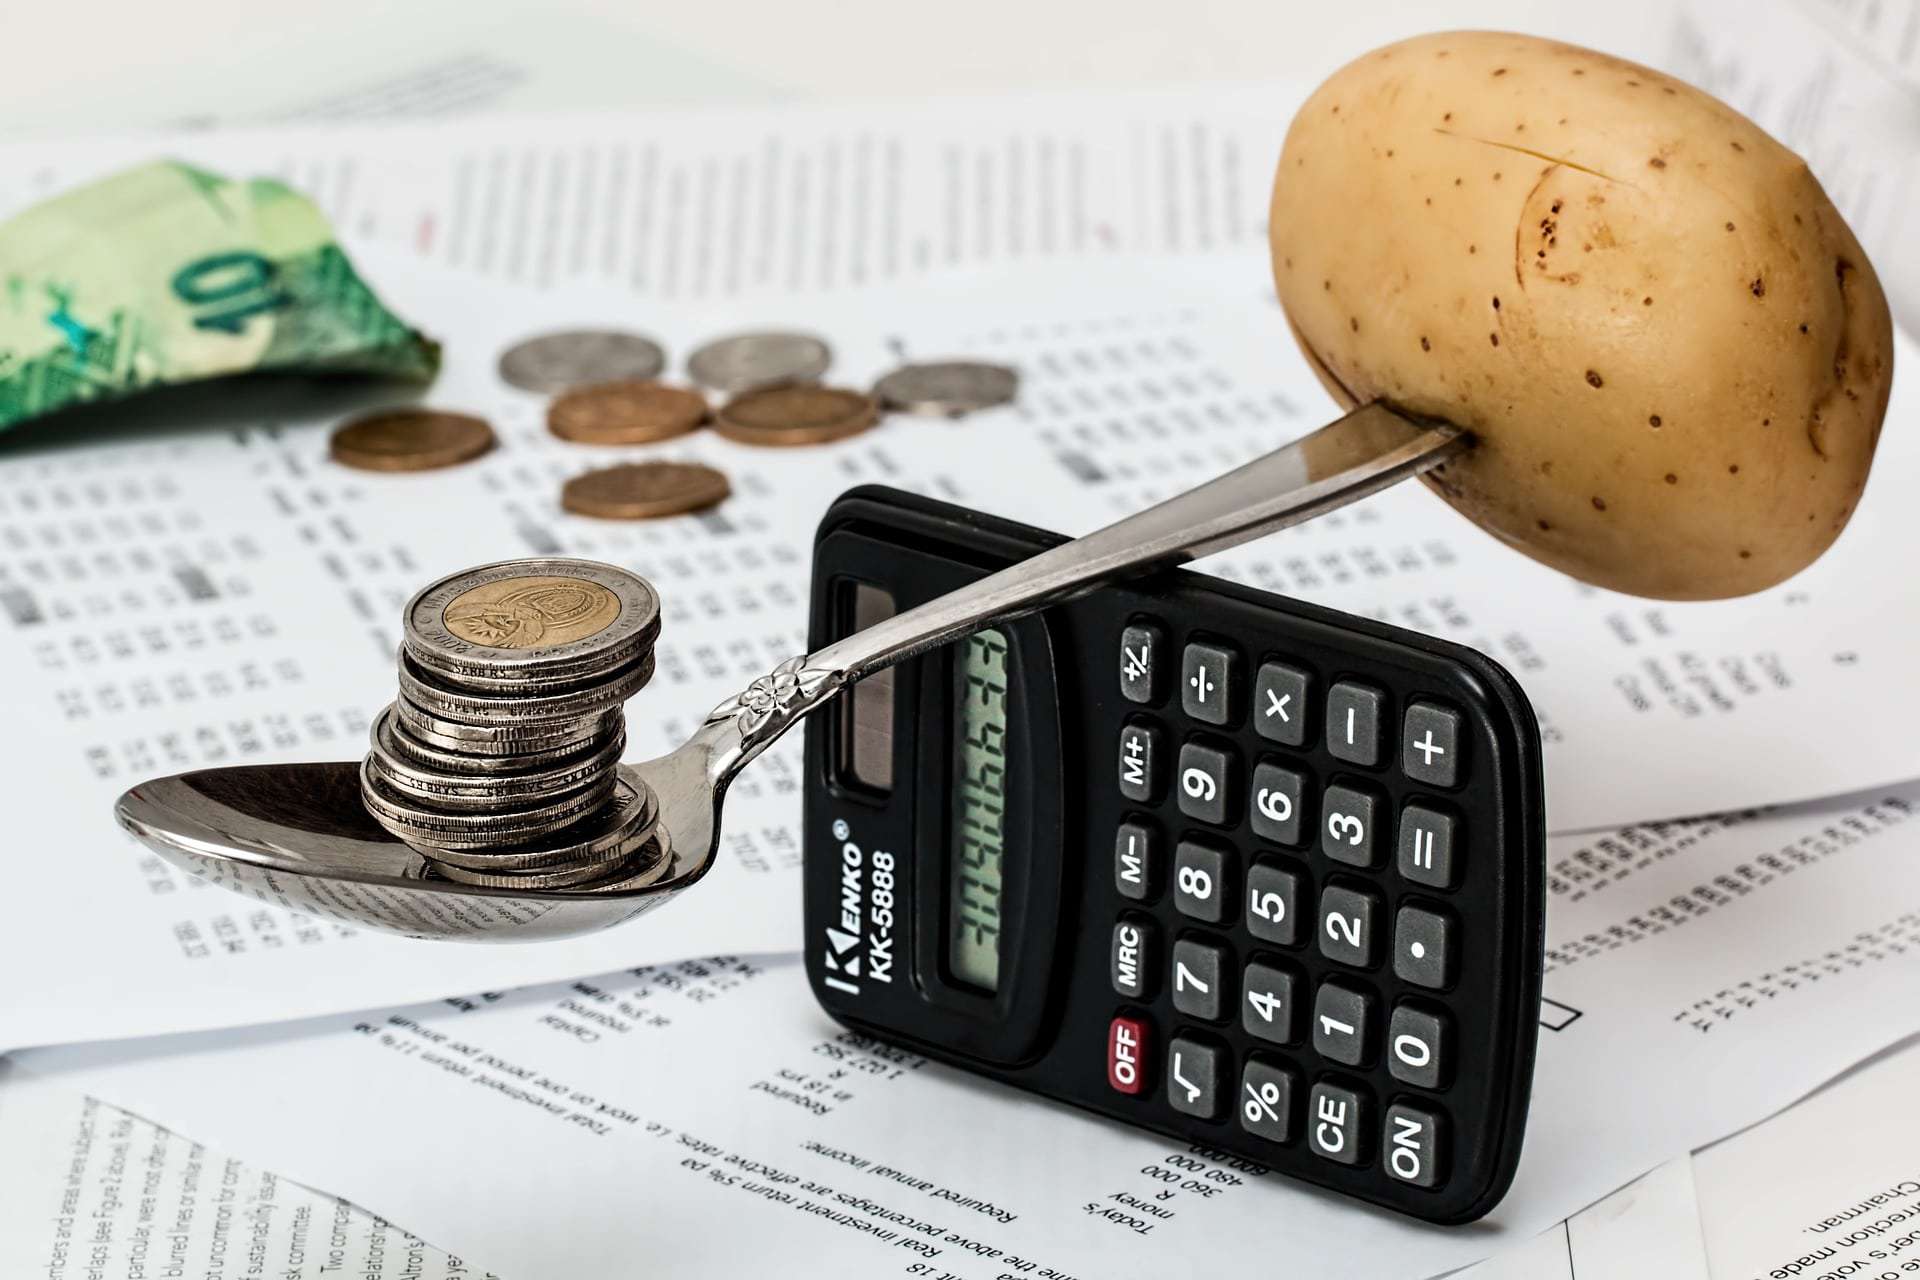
[
  {"x": 796, "y": 415},
  {"x": 644, "y": 490},
  {"x": 418, "y": 825},
  {"x": 495, "y": 740},
  {"x": 410, "y": 440},
  {"x": 580, "y": 876},
  {"x": 537, "y": 619},
  {"x": 608, "y": 834},
  {"x": 464, "y": 788},
  {"x": 392, "y": 730},
  {"x": 557, "y": 362},
  {"x": 748, "y": 360},
  {"x": 632, "y": 412},
  {"x": 947, "y": 388},
  {"x": 557, "y": 702}
]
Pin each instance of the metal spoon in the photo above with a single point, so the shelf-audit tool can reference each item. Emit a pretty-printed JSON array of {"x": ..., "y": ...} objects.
[{"x": 297, "y": 835}]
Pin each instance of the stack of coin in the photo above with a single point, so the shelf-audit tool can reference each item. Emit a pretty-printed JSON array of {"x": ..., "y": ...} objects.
[{"x": 500, "y": 760}]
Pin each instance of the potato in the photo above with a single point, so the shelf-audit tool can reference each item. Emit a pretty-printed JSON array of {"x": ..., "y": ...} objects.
[{"x": 1671, "y": 350}]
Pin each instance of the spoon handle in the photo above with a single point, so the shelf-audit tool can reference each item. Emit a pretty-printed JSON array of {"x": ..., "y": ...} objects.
[{"x": 1342, "y": 462}]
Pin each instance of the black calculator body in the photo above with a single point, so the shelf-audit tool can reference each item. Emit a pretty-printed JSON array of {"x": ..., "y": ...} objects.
[{"x": 1199, "y": 858}]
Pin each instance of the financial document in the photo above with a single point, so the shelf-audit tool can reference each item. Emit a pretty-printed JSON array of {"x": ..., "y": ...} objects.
[
  {"x": 1700, "y": 977},
  {"x": 178, "y": 597},
  {"x": 87, "y": 1189},
  {"x": 728, "y": 202}
]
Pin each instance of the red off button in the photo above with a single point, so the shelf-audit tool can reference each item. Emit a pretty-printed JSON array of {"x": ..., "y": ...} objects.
[{"x": 1127, "y": 1055}]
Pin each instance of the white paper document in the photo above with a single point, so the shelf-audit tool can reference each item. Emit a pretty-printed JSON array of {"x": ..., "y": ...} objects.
[
  {"x": 1648, "y": 1228},
  {"x": 182, "y": 597},
  {"x": 89, "y": 1190},
  {"x": 708, "y": 1117}
]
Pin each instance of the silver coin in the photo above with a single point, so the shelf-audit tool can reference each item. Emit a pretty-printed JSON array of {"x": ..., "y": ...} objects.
[
  {"x": 748, "y": 360},
  {"x": 607, "y": 834},
  {"x": 441, "y": 757},
  {"x": 420, "y": 825},
  {"x": 947, "y": 388},
  {"x": 463, "y": 788},
  {"x": 567, "y": 702},
  {"x": 531, "y": 741},
  {"x": 571, "y": 877},
  {"x": 555, "y": 362},
  {"x": 502, "y": 625}
]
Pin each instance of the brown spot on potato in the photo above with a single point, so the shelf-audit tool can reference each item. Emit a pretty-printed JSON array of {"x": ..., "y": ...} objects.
[
  {"x": 1729, "y": 226},
  {"x": 1734, "y": 470},
  {"x": 1672, "y": 478},
  {"x": 1745, "y": 554},
  {"x": 1544, "y": 526},
  {"x": 1737, "y": 147},
  {"x": 1446, "y": 117},
  {"x": 1353, "y": 323},
  {"x": 1499, "y": 71},
  {"x": 1803, "y": 328},
  {"x": 1473, "y": 248},
  {"x": 1653, "y": 420},
  {"x": 1326, "y": 286},
  {"x": 1599, "y": 503},
  {"x": 1424, "y": 344},
  {"x": 1494, "y": 338},
  {"x": 1579, "y": 71},
  {"x": 1656, "y": 163},
  {"x": 1758, "y": 288},
  {"x": 1646, "y": 302},
  {"x": 1496, "y": 302},
  {"x": 1594, "y": 379}
]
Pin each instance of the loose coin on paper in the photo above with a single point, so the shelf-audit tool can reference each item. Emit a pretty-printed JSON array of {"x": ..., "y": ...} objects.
[
  {"x": 644, "y": 490},
  {"x": 798, "y": 414},
  {"x": 748, "y": 360},
  {"x": 555, "y": 362},
  {"x": 410, "y": 440}
]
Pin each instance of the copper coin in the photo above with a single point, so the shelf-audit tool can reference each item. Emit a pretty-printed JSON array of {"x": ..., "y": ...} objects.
[
  {"x": 636, "y": 411},
  {"x": 801, "y": 413},
  {"x": 410, "y": 440},
  {"x": 644, "y": 490}
]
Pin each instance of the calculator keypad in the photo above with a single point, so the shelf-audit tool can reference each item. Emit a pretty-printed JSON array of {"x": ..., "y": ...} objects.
[{"x": 1311, "y": 869}]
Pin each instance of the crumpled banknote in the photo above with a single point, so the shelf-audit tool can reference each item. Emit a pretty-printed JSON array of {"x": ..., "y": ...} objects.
[{"x": 168, "y": 274}]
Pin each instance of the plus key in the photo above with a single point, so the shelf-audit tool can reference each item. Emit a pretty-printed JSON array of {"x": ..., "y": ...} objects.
[{"x": 1430, "y": 744}]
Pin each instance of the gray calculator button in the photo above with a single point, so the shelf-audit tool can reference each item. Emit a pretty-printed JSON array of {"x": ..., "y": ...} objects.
[
  {"x": 1350, "y": 825},
  {"x": 1418, "y": 1044},
  {"x": 1200, "y": 881},
  {"x": 1270, "y": 1003},
  {"x": 1411, "y": 1142},
  {"x": 1140, "y": 648},
  {"x": 1280, "y": 703},
  {"x": 1140, "y": 749},
  {"x": 1132, "y": 968},
  {"x": 1209, "y": 683},
  {"x": 1194, "y": 1075},
  {"x": 1343, "y": 1024},
  {"x": 1206, "y": 783},
  {"x": 1354, "y": 714},
  {"x": 1349, "y": 918},
  {"x": 1199, "y": 979},
  {"x": 1136, "y": 860},
  {"x": 1273, "y": 904},
  {"x": 1427, "y": 847},
  {"x": 1430, "y": 740},
  {"x": 1423, "y": 947},
  {"x": 1266, "y": 1100},
  {"x": 1278, "y": 794},
  {"x": 1336, "y": 1122}
]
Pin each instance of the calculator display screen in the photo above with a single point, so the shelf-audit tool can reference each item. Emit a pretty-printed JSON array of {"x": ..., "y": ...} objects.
[{"x": 979, "y": 809}]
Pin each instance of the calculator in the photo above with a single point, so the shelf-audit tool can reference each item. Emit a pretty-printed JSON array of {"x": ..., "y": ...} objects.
[{"x": 1229, "y": 867}]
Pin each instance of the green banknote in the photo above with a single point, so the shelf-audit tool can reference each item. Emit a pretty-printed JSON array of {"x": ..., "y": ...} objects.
[{"x": 168, "y": 274}]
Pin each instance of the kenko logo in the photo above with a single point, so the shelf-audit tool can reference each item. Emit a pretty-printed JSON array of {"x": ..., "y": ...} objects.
[{"x": 848, "y": 953}]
